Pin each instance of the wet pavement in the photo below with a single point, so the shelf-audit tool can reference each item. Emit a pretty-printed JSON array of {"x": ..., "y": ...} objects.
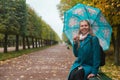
[{"x": 49, "y": 64}]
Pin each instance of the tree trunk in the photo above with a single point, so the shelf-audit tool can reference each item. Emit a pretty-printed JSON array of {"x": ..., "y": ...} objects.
[
  {"x": 42, "y": 42},
  {"x": 39, "y": 42},
  {"x": 117, "y": 47},
  {"x": 36, "y": 42},
  {"x": 24, "y": 42},
  {"x": 5, "y": 43},
  {"x": 33, "y": 42},
  {"x": 28, "y": 44},
  {"x": 17, "y": 42},
  {"x": 113, "y": 41},
  {"x": 116, "y": 53}
]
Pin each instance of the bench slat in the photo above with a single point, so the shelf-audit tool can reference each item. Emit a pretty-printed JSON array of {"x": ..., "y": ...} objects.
[{"x": 100, "y": 76}]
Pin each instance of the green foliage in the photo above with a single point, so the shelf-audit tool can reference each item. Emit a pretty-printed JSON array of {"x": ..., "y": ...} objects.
[
  {"x": 22, "y": 17},
  {"x": 1, "y": 36},
  {"x": 36, "y": 27},
  {"x": 10, "y": 16},
  {"x": 18, "y": 18},
  {"x": 33, "y": 23}
]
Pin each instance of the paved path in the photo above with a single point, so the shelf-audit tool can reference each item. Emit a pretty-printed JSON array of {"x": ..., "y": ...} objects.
[{"x": 49, "y": 64}]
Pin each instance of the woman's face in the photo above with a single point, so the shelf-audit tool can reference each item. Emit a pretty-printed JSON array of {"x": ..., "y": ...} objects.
[{"x": 84, "y": 27}]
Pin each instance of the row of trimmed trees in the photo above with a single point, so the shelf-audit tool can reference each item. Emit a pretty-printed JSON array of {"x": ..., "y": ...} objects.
[
  {"x": 110, "y": 9},
  {"x": 20, "y": 23}
]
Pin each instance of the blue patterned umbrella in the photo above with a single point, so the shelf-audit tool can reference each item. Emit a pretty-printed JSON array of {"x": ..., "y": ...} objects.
[{"x": 101, "y": 28}]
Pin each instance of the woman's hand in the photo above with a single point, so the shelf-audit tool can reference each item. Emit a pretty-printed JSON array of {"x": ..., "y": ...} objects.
[
  {"x": 76, "y": 38},
  {"x": 90, "y": 75}
]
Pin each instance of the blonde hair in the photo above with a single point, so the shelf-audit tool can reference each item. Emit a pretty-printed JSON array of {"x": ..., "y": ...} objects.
[{"x": 90, "y": 31}]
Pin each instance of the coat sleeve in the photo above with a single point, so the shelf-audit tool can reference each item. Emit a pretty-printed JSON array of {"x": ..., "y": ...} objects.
[
  {"x": 75, "y": 50},
  {"x": 96, "y": 55}
]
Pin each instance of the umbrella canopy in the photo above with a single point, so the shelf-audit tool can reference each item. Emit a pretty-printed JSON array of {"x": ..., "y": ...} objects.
[{"x": 101, "y": 28}]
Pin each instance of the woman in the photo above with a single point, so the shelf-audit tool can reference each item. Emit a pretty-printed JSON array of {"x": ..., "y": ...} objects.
[{"x": 87, "y": 50}]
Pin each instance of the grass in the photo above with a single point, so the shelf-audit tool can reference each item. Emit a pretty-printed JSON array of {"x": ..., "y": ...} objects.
[{"x": 13, "y": 54}]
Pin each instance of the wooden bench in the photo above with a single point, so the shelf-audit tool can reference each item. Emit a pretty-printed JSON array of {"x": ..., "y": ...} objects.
[{"x": 100, "y": 76}]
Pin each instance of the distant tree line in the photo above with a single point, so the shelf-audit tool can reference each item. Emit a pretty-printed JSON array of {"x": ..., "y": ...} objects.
[{"x": 21, "y": 26}]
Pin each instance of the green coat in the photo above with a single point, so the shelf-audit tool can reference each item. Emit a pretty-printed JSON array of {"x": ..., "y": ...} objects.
[{"x": 87, "y": 55}]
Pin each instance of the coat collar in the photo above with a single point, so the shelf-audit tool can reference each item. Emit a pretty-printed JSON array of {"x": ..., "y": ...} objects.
[{"x": 86, "y": 40}]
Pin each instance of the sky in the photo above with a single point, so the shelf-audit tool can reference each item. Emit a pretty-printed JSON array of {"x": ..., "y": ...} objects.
[{"x": 48, "y": 11}]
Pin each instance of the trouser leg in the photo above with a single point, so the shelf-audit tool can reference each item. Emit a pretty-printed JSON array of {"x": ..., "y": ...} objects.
[
  {"x": 77, "y": 74},
  {"x": 72, "y": 75}
]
